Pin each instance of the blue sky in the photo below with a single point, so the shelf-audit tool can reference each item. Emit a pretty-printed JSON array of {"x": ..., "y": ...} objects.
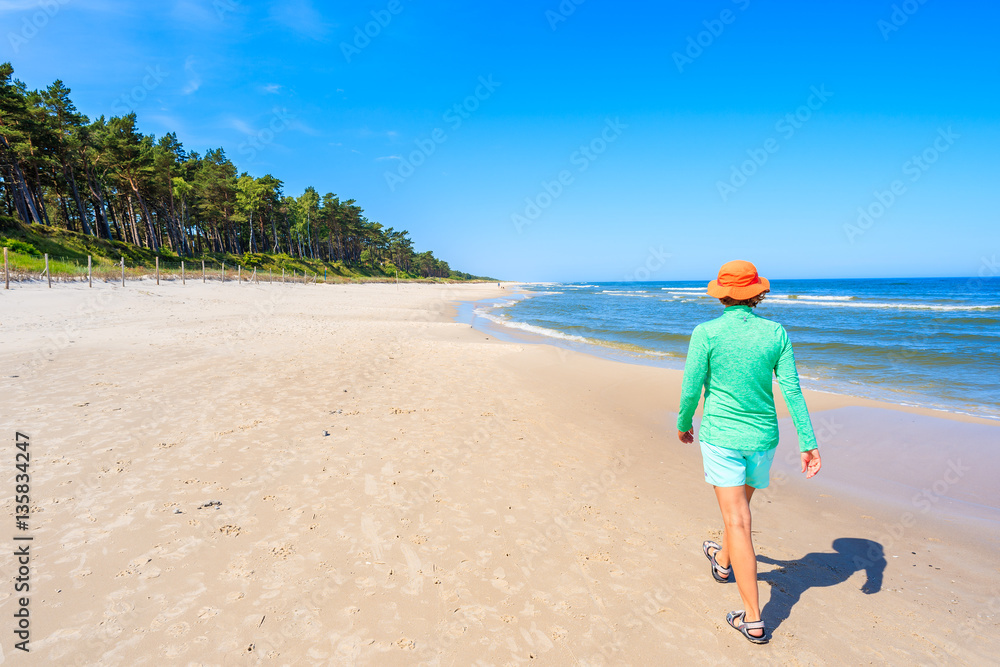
[{"x": 685, "y": 134}]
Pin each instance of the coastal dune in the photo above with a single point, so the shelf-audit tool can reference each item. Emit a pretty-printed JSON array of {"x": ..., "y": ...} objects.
[{"x": 292, "y": 474}]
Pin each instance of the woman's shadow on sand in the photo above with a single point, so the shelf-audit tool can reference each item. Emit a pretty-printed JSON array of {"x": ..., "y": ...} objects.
[{"x": 794, "y": 577}]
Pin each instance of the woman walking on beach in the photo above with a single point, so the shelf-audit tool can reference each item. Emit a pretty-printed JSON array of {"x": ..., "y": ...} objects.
[{"x": 734, "y": 357}]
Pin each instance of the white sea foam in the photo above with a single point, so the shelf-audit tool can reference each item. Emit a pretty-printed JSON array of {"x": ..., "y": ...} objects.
[
  {"x": 810, "y": 297},
  {"x": 552, "y": 333},
  {"x": 882, "y": 306},
  {"x": 530, "y": 328},
  {"x": 684, "y": 289},
  {"x": 506, "y": 303}
]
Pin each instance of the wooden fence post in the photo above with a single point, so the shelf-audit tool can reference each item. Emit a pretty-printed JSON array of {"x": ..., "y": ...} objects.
[
  {"x": 239, "y": 273},
  {"x": 271, "y": 273},
  {"x": 183, "y": 280},
  {"x": 6, "y": 270},
  {"x": 203, "y": 271},
  {"x": 254, "y": 276},
  {"x": 90, "y": 271},
  {"x": 123, "y": 271},
  {"x": 282, "y": 275},
  {"x": 48, "y": 273},
  {"x": 157, "y": 270},
  {"x": 223, "y": 273}
]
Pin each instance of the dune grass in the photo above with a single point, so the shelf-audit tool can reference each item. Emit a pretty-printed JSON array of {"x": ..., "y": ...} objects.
[{"x": 68, "y": 252}]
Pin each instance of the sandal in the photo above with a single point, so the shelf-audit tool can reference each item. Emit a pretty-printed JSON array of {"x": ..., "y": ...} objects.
[
  {"x": 744, "y": 626},
  {"x": 717, "y": 570}
]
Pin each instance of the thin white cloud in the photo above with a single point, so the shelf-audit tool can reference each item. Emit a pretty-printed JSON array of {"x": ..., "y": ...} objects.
[
  {"x": 192, "y": 12},
  {"x": 388, "y": 157},
  {"x": 194, "y": 82},
  {"x": 302, "y": 17},
  {"x": 240, "y": 126},
  {"x": 302, "y": 127},
  {"x": 271, "y": 88}
]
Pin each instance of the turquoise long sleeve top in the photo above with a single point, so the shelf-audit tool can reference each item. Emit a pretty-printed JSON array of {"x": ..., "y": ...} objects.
[{"x": 733, "y": 358}]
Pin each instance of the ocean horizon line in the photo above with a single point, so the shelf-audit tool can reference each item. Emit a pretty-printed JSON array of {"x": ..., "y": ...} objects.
[{"x": 993, "y": 276}]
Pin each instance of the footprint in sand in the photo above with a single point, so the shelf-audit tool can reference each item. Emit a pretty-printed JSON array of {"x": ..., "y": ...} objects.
[
  {"x": 206, "y": 613},
  {"x": 117, "y": 608},
  {"x": 178, "y": 629},
  {"x": 416, "y": 584},
  {"x": 369, "y": 529},
  {"x": 283, "y": 551},
  {"x": 175, "y": 650},
  {"x": 151, "y": 573}
]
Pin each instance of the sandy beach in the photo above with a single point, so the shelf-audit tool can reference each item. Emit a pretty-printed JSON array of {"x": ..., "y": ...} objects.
[{"x": 277, "y": 474}]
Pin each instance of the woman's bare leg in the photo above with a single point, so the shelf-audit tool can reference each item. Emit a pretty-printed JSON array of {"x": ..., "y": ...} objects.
[
  {"x": 722, "y": 556},
  {"x": 737, "y": 547}
]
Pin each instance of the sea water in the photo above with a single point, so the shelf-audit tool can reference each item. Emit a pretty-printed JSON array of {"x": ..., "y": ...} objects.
[{"x": 931, "y": 342}]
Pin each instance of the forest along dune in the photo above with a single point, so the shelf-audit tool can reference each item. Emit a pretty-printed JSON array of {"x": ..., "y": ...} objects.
[{"x": 344, "y": 475}]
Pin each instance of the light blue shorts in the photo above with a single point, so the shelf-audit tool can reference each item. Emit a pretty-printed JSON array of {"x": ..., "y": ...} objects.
[{"x": 736, "y": 467}]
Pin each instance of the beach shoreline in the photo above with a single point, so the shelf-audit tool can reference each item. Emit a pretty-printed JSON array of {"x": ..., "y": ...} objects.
[
  {"x": 469, "y": 314},
  {"x": 396, "y": 487},
  {"x": 915, "y": 342}
]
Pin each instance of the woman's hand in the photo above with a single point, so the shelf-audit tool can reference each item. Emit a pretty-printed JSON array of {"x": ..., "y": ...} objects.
[
  {"x": 811, "y": 463},
  {"x": 686, "y": 436}
]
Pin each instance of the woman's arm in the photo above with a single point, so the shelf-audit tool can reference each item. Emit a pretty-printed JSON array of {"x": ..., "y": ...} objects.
[
  {"x": 695, "y": 371},
  {"x": 788, "y": 380}
]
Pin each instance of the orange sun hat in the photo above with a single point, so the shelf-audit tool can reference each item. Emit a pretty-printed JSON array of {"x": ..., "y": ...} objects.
[{"x": 738, "y": 279}]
